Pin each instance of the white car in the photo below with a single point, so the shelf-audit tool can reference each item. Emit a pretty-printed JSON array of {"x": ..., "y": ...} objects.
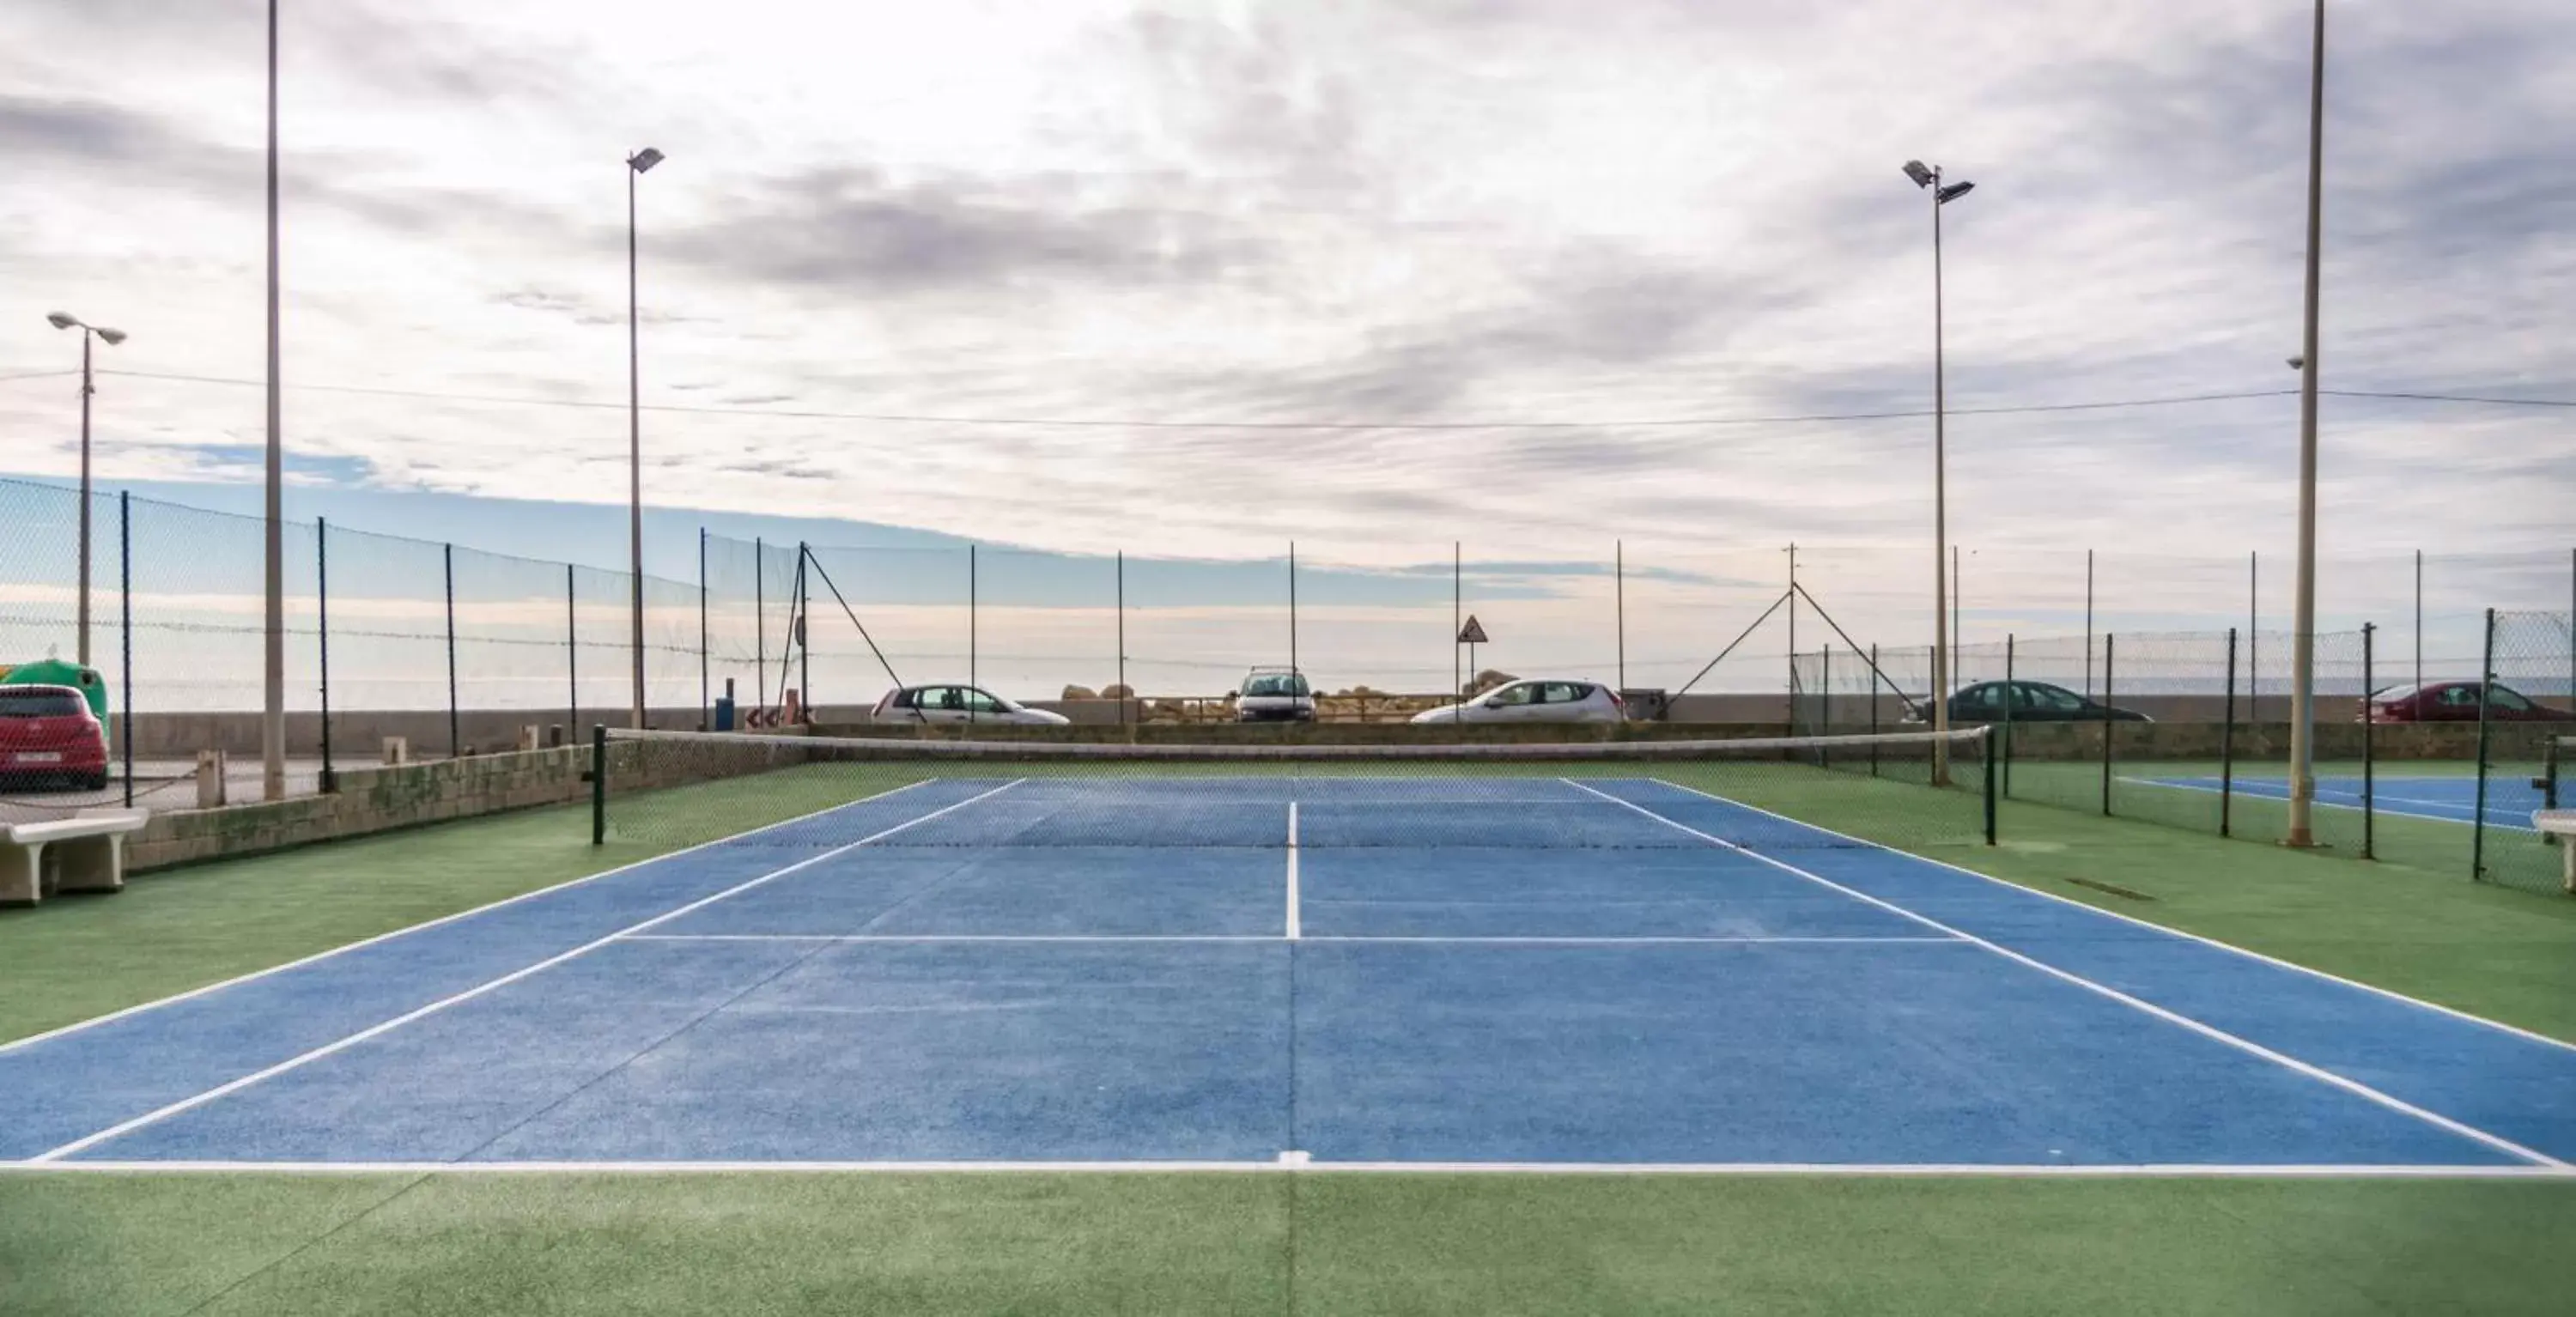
[
  {"x": 1545, "y": 700},
  {"x": 956, "y": 703}
]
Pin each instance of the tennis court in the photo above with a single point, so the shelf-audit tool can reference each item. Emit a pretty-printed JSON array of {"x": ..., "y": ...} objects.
[
  {"x": 999, "y": 963},
  {"x": 2451, "y": 798}
]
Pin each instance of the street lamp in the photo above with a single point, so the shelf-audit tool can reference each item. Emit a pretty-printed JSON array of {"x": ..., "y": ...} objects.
[
  {"x": 2303, "y": 627},
  {"x": 1929, "y": 179},
  {"x": 636, "y": 165},
  {"x": 66, "y": 320},
  {"x": 272, "y": 719}
]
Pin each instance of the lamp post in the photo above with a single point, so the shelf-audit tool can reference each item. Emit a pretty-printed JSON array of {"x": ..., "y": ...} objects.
[
  {"x": 2303, "y": 626},
  {"x": 636, "y": 165},
  {"x": 1929, "y": 179},
  {"x": 65, "y": 320},
  {"x": 272, "y": 722}
]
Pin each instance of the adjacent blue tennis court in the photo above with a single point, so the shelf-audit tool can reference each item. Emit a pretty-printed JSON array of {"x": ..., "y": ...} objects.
[
  {"x": 1260, "y": 971},
  {"x": 2453, "y": 799}
]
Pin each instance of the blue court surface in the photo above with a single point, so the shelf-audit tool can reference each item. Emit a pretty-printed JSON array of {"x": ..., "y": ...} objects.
[
  {"x": 2511, "y": 797},
  {"x": 1522, "y": 973}
]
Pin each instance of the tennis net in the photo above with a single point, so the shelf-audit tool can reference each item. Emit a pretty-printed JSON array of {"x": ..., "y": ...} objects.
[{"x": 667, "y": 789}]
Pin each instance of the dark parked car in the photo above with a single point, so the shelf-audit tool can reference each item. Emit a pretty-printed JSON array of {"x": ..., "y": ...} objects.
[
  {"x": 47, "y": 733},
  {"x": 2032, "y": 702},
  {"x": 2457, "y": 702}
]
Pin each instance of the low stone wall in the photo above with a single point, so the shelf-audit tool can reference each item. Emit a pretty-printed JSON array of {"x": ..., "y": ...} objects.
[{"x": 368, "y": 800}]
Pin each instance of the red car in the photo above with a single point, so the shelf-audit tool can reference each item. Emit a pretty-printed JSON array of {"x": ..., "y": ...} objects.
[
  {"x": 2457, "y": 702},
  {"x": 47, "y": 733}
]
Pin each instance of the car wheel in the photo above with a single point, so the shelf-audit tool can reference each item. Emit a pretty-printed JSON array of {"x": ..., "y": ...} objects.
[{"x": 96, "y": 782}]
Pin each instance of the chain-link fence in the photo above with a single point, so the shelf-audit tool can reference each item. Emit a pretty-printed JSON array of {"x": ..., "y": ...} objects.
[
  {"x": 2192, "y": 730},
  {"x": 455, "y": 650}
]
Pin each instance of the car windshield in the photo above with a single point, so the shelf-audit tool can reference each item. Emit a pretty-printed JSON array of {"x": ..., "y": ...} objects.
[
  {"x": 38, "y": 702},
  {"x": 1274, "y": 683}
]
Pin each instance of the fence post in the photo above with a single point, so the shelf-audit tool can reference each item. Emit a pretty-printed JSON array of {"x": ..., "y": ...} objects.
[
  {"x": 1793, "y": 640},
  {"x": 1619, "y": 591},
  {"x": 2227, "y": 746},
  {"x": 2088, "y": 624},
  {"x": 572, "y": 656},
  {"x": 1292, "y": 606},
  {"x": 1873, "y": 709},
  {"x": 2010, "y": 694},
  {"x": 2254, "y": 635},
  {"x": 1125, "y": 696},
  {"x": 706, "y": 714},
  {"x": 2486, "y": 684},
  {"x": 455, "y": 742},
  {"x": 759, "y": 624},
  {"x": 1825, "y": 690},
  {"x": 1457, "y": 624},
  {"x": 971, "y": 623},
  {"x": 2109, "y": 643},
  {"x": 598, "y": 784},
  {"x": 2369, "y": 770},
  {"x": 125, "y": 627},
  {"x": 803, "y": 637},
  {"x": 322, "y": 626}
]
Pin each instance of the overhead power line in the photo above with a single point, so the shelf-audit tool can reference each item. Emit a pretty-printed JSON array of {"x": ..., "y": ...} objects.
[{"x": 1626, "y": 423}]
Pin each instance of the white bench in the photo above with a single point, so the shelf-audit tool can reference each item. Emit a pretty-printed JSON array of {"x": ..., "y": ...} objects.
[
  {"x": 85, "y": 853},
  {"x": 2561, "y": 824}
]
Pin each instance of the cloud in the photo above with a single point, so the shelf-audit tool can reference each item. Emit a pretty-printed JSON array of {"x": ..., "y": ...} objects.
[{"x": 836, "y": 230}]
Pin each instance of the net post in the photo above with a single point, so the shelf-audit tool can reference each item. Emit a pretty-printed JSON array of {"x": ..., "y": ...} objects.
[
  {"x": 2478, "y": 823},
  {"x": 2227, "y": 746},
  {"x": 322, "y": 633},
  {"x": 2109, "y": 642},
  {"x": 2369, "y": 771},
  {"x": 1986, "y": 747},
  {"x": 598, "y": 784},
  {"x": 2008, "y": 713},
  {"x": 125, "y": 627},
  {"x": 455, "y": 739}
]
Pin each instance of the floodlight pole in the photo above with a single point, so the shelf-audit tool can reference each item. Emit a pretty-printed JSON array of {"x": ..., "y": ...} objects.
[
  {"x": 636, "y": 164},
  {"x": 2303, "y": 638},
  {"x": 272, "y": 726},
  {"x": 88, "y": 387},
  {"x": 1929, "y": 179}
]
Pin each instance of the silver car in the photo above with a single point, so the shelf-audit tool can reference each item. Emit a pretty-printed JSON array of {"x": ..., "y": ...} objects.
[
  {"x": 1274, "y": 695},
  {"x": 955, "y": 703},
  {"x": 1541, "y": 700}
]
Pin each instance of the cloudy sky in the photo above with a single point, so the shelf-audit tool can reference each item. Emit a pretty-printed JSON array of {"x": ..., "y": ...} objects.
[{"x": 1569, "y": 218}]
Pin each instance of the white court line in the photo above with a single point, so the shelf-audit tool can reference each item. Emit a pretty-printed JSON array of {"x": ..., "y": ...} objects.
[
  {"x": 1294, "y": 916},
  {"x": 1508, "y": 941},
  {"x": 949, "y": 937},
  {"x": 1909, "y": 1170},
  {"x": 2319, "y": 1073},
  {"x": 408, "y": 929},
  {"x": 375, "y": 1030},
  {"x": 2311, "y": 971}
]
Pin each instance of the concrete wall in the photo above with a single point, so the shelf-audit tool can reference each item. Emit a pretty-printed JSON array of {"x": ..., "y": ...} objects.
[{"x": 371, "y": 800}]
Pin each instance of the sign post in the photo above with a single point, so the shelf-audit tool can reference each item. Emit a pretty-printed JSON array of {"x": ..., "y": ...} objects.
[{"x": 1471, "y": 635}]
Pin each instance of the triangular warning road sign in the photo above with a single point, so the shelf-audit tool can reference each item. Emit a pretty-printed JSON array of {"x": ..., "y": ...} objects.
[{"x": 1473, "y": 633}]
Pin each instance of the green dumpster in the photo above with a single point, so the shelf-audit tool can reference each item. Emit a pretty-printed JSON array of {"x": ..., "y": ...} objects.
[{"x": 56, "y": 672}]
